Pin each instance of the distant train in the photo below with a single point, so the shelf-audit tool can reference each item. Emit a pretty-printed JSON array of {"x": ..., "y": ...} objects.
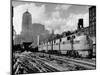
[{"x": 78, "y": 45}]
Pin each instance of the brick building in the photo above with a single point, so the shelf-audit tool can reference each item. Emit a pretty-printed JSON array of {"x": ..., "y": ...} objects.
[{"x": 92, "y": 21}]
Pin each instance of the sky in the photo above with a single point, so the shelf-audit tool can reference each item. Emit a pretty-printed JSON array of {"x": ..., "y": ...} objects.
[{"x": 59, "y": 17}]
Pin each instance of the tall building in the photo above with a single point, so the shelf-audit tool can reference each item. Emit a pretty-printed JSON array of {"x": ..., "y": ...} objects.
[
  {"x": 30, "y": 31},
  {"x": 92, "y": 27},
  {"x": 26, "y": 21},
  {"x": 92, "y": 20}
]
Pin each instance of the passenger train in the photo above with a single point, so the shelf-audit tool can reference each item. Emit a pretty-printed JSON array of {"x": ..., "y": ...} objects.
[{"x": 78, "y": 44}]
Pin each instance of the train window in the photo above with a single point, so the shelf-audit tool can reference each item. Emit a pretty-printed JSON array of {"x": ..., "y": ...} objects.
[
  {"x": 64, "y": 42},
  {"x": 60, "y": 40},
  {"x": 73, "y": 36},
  {"x": 68, "y": 38},
  {"x": 54, "y": 41}
]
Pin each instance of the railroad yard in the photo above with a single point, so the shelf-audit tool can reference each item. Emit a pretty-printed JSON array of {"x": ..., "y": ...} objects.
[
  {"x": 49, "y": 40},
  {"x": 29, "y": 62}
]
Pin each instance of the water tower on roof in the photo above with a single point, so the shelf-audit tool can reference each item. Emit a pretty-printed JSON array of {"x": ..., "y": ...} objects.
[{"x": 80, "y": 23}]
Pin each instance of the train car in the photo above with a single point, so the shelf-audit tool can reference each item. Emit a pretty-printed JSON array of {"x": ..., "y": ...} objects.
[{"x": 81, "y": 45}]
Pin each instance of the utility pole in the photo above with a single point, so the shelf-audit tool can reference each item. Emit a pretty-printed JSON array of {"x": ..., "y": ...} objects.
[
  {"x": 47, "y": 45},
  {"x": 59, "y": 44},
  {"x": 52, "y": 44},
  {"x": 72, "y": 41},
  {"x": 71, "y": 44},
  {"x": 52, "y": 35},
  {"x": 38, "y": 41},
  {"x": 38, "y": 38}
]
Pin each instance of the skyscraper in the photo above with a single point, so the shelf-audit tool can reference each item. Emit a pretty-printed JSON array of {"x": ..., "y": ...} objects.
[
  {"x": 26, "y": 21},
  {"x": 30, "y": 30}
]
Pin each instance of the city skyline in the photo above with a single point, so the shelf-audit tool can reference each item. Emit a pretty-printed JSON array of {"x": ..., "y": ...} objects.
[
  {"x": 52, "y": 37},
  {"x": 60, "y": 17}
]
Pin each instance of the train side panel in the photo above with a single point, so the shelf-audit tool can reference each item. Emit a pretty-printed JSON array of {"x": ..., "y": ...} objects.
[{"x": 80, "y": 44}]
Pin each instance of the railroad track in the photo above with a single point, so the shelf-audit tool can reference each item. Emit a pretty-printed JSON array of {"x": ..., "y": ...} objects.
[
  {"x": 86, "y": 65},
  {"x": 29, "y": 63},
  {"x": 47, "y": 67},
  {"x": 41, "y": 64}
]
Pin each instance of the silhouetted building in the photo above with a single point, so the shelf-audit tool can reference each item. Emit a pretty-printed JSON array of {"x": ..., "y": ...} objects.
[
  {"x": 80, "y": 23},
  {"x": 81, "y": 29},
  {"x": 92, "y": 20},
  {"x": 92, "y": 26}
]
